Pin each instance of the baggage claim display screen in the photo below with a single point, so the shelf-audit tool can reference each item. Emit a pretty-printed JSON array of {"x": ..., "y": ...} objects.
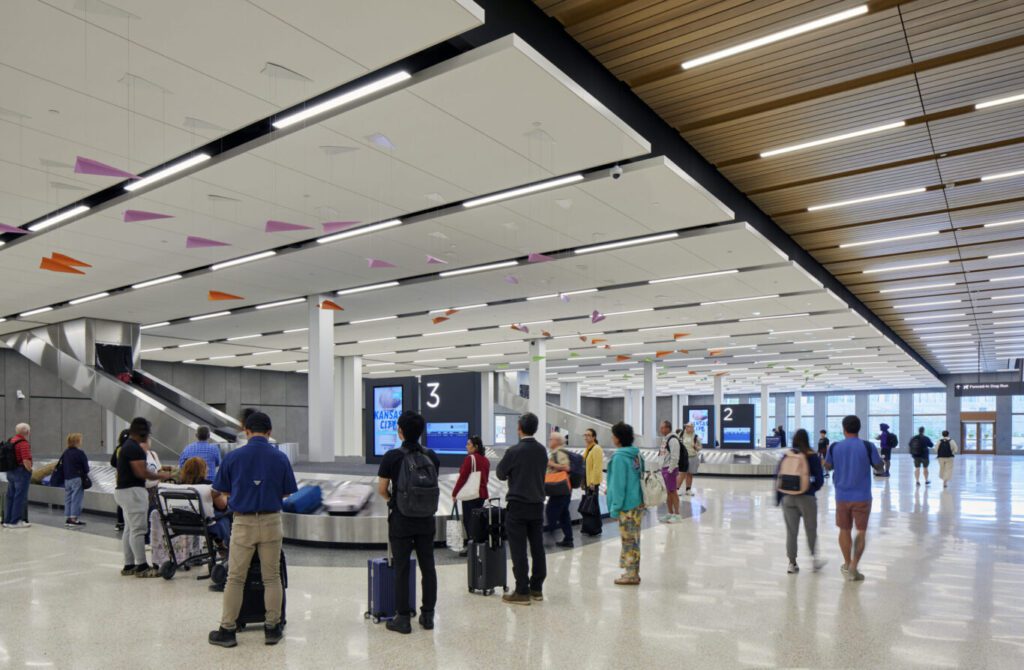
[
  {"x": 447, "y": 438},
  {"x": 387, "y": 407}
]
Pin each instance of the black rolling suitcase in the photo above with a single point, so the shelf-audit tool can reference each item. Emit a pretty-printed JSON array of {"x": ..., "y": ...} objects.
[
  {"x": 253, "y": 610},
  {"x": 487, "y": 565}
]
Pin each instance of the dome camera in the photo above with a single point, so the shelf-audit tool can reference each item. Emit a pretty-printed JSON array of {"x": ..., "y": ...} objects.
[{"x": 616, "y": 172}]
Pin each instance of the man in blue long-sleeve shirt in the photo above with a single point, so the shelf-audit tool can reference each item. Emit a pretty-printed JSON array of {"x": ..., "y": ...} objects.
[{"x": 204, "y": 449}]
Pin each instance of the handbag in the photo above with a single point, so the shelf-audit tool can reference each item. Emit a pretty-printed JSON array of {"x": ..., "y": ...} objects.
[
  {"x": 471, "y": 489},
  {"x": 590, "y": 505},
  {"x": 86, "y": 482},
  {"x": 557, "y": 484},
  {"x": 455, "y": 538}
]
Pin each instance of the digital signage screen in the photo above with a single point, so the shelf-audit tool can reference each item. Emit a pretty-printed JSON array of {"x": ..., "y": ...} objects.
[
  {"x": 447, "y": 438},
  {"x": 700, "y": 417},
  {"x": 736, "y": 435},
  {"x": 387, "y": 407}
]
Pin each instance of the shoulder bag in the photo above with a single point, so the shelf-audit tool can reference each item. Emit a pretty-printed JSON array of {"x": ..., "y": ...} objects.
[{"x": 471, "y": 489}]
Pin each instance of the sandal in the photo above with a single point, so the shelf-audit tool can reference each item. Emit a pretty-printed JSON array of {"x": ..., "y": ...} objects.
[{"x": 627, "y": 581}]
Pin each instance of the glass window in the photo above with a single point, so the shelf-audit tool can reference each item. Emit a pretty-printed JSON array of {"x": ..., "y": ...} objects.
[
  {"x": 841, "y": 405},
  {"x": 1017, "y": 439},
  {"x": 884, "y": 403},
  {"x": 978, "y": 403},
  {"x": 732, "y": 400},
  {"x": 933, "y": 425},
  {"x": 835, "y": 428},
  {"x": 1018, "y": 404},
  {"x": 929, "y": 403}
]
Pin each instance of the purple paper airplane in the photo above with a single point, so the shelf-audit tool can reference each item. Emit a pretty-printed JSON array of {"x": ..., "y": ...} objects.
[
  {"x": 134, "y": 215},
  {"x": 335, "y": 226},
  {"x": 89, "y": 166},
  {"x": 511, "y": 279},
  {"x": 378, "y": 263},
  {"x": 201, "y": 242},
  {"x": 538, "y": 258},
  {"x": 564, "y": 298},
  {"x": 282, "y": 227},
  {"x": 596, "y": 317},
  {"x": 4, "y": 228},
  {"x": 434, "y": 260}
]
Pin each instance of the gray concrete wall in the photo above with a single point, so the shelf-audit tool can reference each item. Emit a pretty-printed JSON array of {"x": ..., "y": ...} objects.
[{"x": 55, "y": 409}]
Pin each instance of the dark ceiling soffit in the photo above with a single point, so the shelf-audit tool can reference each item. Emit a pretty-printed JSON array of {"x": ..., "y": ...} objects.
[{"x": 548, "y": 37}]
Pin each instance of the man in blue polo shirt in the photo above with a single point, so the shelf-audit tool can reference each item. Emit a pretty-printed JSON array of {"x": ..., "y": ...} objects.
[
  {"x": 204, "y": 449},
  {"x": 852, "y": 461},
  {"x": 256, "y": 477}
]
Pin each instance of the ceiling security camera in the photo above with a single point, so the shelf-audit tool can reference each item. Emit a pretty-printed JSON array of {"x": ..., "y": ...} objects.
[{"x": 616, "y": 172}]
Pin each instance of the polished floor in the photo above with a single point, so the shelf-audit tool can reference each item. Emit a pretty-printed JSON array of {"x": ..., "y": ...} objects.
[{"x": 944, "y": 589}]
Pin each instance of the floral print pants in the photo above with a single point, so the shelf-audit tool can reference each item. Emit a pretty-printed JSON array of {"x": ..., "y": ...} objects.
[{"x": 629, "y": 531}]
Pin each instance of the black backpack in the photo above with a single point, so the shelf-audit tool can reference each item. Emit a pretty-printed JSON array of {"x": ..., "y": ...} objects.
[
  {"x": 916, "y": 448},
  {"x": 8, "y": 456},
  {"x": 945, "y": 448},
  {"x": 417, "y": 492},
  {"x": 894, "y": 441},
  {"x": 577, "y": 469}
]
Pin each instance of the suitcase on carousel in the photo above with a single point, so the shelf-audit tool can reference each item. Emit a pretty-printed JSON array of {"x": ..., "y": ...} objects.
[
  {"x": 253, "y": 610},
  {"x": 381, "y": 588}
]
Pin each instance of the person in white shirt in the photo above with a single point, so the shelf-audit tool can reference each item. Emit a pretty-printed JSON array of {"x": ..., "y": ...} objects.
[
  {"x": 691, "y": 442},
  {"x": 671, "y": 449},
  {"x": 945, "y": 451}
]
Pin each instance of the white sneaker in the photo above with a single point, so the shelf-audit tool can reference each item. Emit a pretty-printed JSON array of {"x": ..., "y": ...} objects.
[
  {"x": 665, "y": 519},
  {"x": 819, "y": 563},
  {"x": 21, "y": 524},
  {"x": 672, "y": 518},
  {"x": 792, "y": 569}
]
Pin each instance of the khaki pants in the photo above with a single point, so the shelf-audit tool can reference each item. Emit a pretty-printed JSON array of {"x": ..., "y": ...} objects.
[
  {"x": 254, "y": 533},
  {"x": 945, "y": 469}
]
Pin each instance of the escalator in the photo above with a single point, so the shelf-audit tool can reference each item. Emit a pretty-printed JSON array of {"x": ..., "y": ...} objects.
[{"x": 100, "y": 359}]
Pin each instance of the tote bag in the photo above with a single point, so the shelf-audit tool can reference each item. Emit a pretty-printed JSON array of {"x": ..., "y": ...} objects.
[
  {"x": 471, "y": 489},
  {"x": 652, "y": 485},
  {"x": 454, "y": 533}
]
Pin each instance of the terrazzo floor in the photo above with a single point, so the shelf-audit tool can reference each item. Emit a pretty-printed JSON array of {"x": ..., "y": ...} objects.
[{"x": 944, "y": 589}]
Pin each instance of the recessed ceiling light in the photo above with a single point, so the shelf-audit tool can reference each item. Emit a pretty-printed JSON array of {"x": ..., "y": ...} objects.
[
  {"x": 460, "y": 309},
  {"x": 446, "y": 332},
  {"x": 626, "y": 243},
  {"x": 1008, "y": 332},
  {"x": 280, "y": 303},
  {"x": 57, "y": 218},
  {"x": 776, "y": 36},
  {"x": 475, "y": 365},
  {"x": 780, "y": 316},
  {"x": 478, "y": 268},
  {"x": 89, "y": 298},
  {"x": 930, "y": 303},
  {"x": 363, "y": 289},
  {"x": 911, "y": 266},
  {"x": 1012, "y": 296},
  {"x": 1008, "y": 311},
  {"x": 1009, "y": 255},
  {"x": 376, "y": 365},
  {"x": 630, "y": 311},
  {"x": 154, "y": 282},
  {"x": 946, "y": 345},
  {"x": 523, "y": 190},
  {"x": 213, "y": 315},
  {"x": 1016, "y": 322},
  {"x": 378, "y": 339},
  {"x": 732, "y": 300},
  {"x": 1003, "y": 175},
  {"x": 651, "y": 328},
  {"x": 929, "y": 317},
  {"x": 33, "y": 312},
  {"x": 833, "y": 138},
  {"x": 702, "y": 275},
  {"x": 356, "y": 232},
  {"x": 243, "y": 337},
  {"x": 1013, "y": 278},
  {"x": 870, "y": 198},
  {"x": 946, "y": 337},
  {"x": 834, "y": 339},
  {"x": 221, "y": 358},
  {"x": 191, "y": 344},
  {"x": 379, "y": 318},
  {"x": 542, "y": 297},
  {"x": 920, "y": 329},
  {"x": 244, "y": 259},
  {"x": 1003, "y": 223},
  {"x": 268, "y": 351},
  {"x": 155, "y": 325},
  {"x": 919, "y": 287},
  {"x": 167, "y": 172},
  {"x": 149, "y": 351},
  {"x": 343, "y": 99},
  {"x": 799, "y": 330}
]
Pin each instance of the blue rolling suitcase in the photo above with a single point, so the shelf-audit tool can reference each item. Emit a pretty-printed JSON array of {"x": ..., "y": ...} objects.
[
  {"x": 381, "y": 588},
  {"x": 304, "y": 501}
]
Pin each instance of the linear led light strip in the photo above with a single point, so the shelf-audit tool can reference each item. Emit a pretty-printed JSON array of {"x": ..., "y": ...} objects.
[
  {"x": 696, "y": 276},
  {"x": 776, "y": 37},
  {"x": 343, "y": 99},
  {"x": 363, "y": 289},
  {"x": 884, "y": 240},
  {"x": 244, "y": 259},
  {"x": 780, "y": 316},
  {"x": 1003, "y": 223},
  {"x": 870, "y": 198},
  {"x": 167, "y": 172},
  {"x": 908, "y": 305},
  {"x": 57, "y": 218},
  {"x": 1003, "y": 175},
  {"x": 458, "y": 309},
  {"x": 1013, "y": 278},
  {"x": 911, "y": 266},
  {"x": 364, "y": 230},
  {"x": 523, "y": 190},
  {"x": 478, "y": 268},
  {"x": 203, "y": 317},
  {"x": 732, "y": 300},
  {"x": 548, "y": 296},
  {"x": 929, "y": 317},
  {"x": 626, "y": 243},
  {"x": 919, "y": 287},
  {"x": 834, "y": 138},
  {"x": 89, "y": 298},
  {"x": 281, "y": 303}
]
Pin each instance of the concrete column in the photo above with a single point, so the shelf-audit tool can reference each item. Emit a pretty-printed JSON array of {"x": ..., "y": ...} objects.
[
  {"x": 538, "y": 382},
  {"x": 633, "y": 408},
  {"x": 764, "y": 414},
  {"x": 569, "y": 395},
  {"x": 487, "y": 407},
  {"x": 820, "y": 413},
  {"x": 798, "y": 399},
  {"x": 111, "y": 427},
  {"x": 349, "y": 424},
  {"x": 907, "y": 416},
  {"x": 861, "y": 410},
  {"x": 650, "y": 404},
  {"x": 718, "y": 409},
  {"x": 677, "y": 411},
  {"x": 321, "y": 381}
]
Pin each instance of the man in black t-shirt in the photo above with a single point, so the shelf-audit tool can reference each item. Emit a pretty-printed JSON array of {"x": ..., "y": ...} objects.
[
  {"x": 408, "y": 533},
  {"x": 823, "y": 443},
  {"x": 132, "y": 497}
]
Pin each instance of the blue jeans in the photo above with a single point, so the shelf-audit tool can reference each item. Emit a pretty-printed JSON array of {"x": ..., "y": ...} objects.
[
  {"x": 74, "y": 496},
  {"x": 17, "y": 494},
  {"x": 558, "y": 515}
]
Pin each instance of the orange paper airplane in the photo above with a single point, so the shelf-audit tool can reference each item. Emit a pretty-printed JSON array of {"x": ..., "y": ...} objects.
[
  {"x": 545, "y": 333},
  {"x": 662, "y": 354},
  {"x": 439, "y": 319},
  {"x": 220, "y": 295},
  {"x": 596, "y": 340},
  {"x": 621, "y": 357},
  {"x": 683, "y": 351},
  {"x": 68, "y": 260},
  {"x": 449, "y": 312},
  {"x": 714, "y": 352},
  {"x": 57, "y": 266},
  {"x": 331, "y": 305},
  {"x": 679, "y": 336}
]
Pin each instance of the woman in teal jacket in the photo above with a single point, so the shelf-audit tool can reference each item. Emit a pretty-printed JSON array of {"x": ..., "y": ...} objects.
[{"x": 626, "y": 500}]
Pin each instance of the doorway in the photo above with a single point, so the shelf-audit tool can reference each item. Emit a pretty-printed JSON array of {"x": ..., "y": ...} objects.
[{"x": 979, "y": 437}]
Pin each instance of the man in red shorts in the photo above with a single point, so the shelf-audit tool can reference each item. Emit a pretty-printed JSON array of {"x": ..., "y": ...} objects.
[{"x": 852, "y": 461}]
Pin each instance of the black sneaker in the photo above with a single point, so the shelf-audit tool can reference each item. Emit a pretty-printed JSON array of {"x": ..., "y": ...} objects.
[
  {"x": 119, "y": 527},
  {"x": 427, "y": 620},
  {"x": 400, "y": 624},
  {"x": 75, "y": 523},
  {"x": 222, "y": 637},
  {"x": 567, "y": 543},
  {"x": 537, "y": 596},
  {"x": 272, "y": 634}
]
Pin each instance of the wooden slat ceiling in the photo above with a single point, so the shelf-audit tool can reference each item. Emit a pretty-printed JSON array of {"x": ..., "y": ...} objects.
[{"x": 923, "y": 62}]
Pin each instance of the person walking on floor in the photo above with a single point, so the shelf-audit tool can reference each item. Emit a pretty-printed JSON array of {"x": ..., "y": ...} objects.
[
  {"x": 691, "y": 442},
  {"x": 851, "y": 461},
  {"x": 18, "y": 479},
  {"x": 671, "y": 463},
  {"x": 887, "y": 441},
  {"x": 130, "y": 494},
  {"x": 947, "y": 449},
  {"x": 559, "y": 490},
  {"x": 523, "y": 466},
  {"x": 823, "y": 443},
  {"x": 626, "y": 500},
  {"x": 256, "y": 478},
  {"x": 474, "y": 471},
  {"x": 75, "y": 465},
  {"x": 919, "y": 446},
  {"x": 593, "y": 458},
  {"x": 802, "y": 505}
]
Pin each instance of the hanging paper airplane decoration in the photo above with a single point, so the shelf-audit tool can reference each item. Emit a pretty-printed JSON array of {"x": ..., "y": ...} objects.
[
  {"x": 331, "y": 305},
  {"x": 545, "y": 333},
  {"x": 662, "y": 354},
  {"x": 538, "y": 258},
  {"x": 521, "y": 328},
  {"x": 538, "y": 358},
  {"x": 434, "y": 260},
  {"x": 85, "y": 165},
  {"x": 679, "y": 336},
  {"x": 5, "y": 228},
  {"x": 336, "y": 226},
  {"x": 563, "y": 297},
  {"x": 193, "y": 242},
  {"x": 573, "y": 354},
  {"x": 68, "y": 260},
  {"x": 439, "y": 319},
  {"x": 57, "y": 266},
  {"x": 136, "y": 215},
  {"x": 378, "y": 263},
  {"x": 511, "y": 279},
  {"x": 621, "y": 358},
  {"x": 220, "y": 295},
  {"x": 598, "y": 340},
  {"x": 596, "y": 317},
  {"x": 449, "y": 312},
  {"x": 683, "y": 351},
  {"x": 274, "y": 226}
]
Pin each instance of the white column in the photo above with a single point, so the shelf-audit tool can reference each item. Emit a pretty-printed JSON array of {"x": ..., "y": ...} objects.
[
  {"x": 321, "y": 381},
  {"x": 569, "y": 395},
  {"x": 764, "y": 414},
  {"x": 110, "y": 431},
  {"x": 718, "y": 409},
  {"x": 633, "y": 408},
  {"x": 650, "y": 406},
  {"x": 677, "y": 411},
  {"x": 487, "y": 407},
  {"x": 349, "y": 372},
  {"x": 538, "y": 386},
  {"x": 797, "y": 411}
]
